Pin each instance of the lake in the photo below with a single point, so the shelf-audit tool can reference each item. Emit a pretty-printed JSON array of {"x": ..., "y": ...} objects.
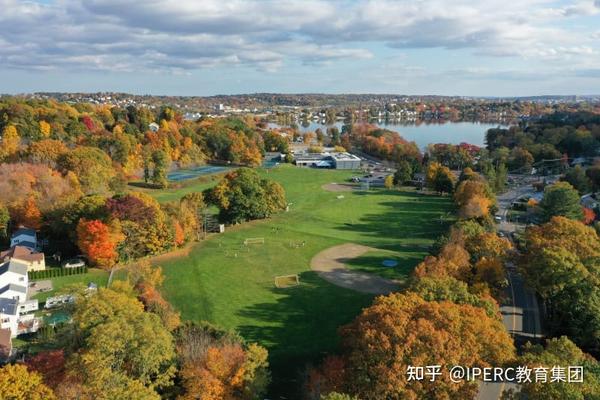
[{"x": 424, "y": 133}]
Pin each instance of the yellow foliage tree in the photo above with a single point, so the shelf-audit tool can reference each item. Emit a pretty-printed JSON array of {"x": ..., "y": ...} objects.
[
  {"x": 11, "y": 141},
  {"x": 45, "y": 129},
  {"x": 18, "y": 383}
]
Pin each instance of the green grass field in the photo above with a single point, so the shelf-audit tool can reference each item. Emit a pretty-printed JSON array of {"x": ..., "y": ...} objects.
[
  {"x": 371, "y": 262},
  {"x": 232, "y": 285}
]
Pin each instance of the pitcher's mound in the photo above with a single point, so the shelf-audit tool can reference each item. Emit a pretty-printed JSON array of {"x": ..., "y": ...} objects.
[{"x": 330, "y": 265}]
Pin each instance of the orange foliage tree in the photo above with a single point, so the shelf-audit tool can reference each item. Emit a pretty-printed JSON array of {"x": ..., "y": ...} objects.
[
  {"x": 27, "y": 213},
  {"x": 225, "y": 372},
  {"x": 402, "y": 330},
  {"x": 588, "y": 215},
  {"x": 96, "y": 240}
]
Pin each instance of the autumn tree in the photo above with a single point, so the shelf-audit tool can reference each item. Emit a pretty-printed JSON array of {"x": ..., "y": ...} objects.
[
  {"x": 388, "y": 183},
  {"x": 217, "y": 365},
  {"x": 27, "y": 213},
  {"x": 120, "y": 351},
  {"x": 91, "y": 165},
  {"x": 146, "y": 280},
  {"x": 45, "y": 129},
  {"x": 488, "y": 245},
  {"x": 51, "y": 365},
  {"x": 589, "y": 216},
  {"x": 474, "y": 197},
  {"x": 46, "y": 151},
  {"x": 49, "y": 189},
  {"x": 10, "y": 144},
  {"x": 98, "y": 242},
  {"x": 143, "y": 223},
  {"x": 400, "y": 330},
  {"x": 338, "y": 396},
  {"x": 453, "y": 260},
  {"x": 561, "y": 199},
  {"x": 18, "y": 383},
  {"x": 440, "y": 178}
]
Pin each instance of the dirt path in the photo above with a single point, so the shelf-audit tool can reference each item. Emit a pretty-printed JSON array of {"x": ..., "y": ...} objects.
[
  {"x": 329, "y": 264},
  {"x": 339, "y": 187}
]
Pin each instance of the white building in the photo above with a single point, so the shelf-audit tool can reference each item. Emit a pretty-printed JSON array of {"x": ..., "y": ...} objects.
[{"x": 14, "y": 304}]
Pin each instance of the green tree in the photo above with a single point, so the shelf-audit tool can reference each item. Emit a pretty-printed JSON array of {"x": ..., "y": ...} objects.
[
  {"x": 577, "y": 178},
  {"x": 520, "y": 159},
  {"x": 404, "y": 172},
  {"x": 160, "y": 160},
  {"x": 564, "y": 353},
  {"x": 4, "y": 220},
  {"x": 242, "y": 195},
  {"x": 453, "y": 290},
  {"x": 501, "y": 178},
  {"x": 561, "y": 199}
]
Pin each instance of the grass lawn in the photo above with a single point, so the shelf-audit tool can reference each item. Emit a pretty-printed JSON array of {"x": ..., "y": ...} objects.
[
  {"x": 98, "y": 276},
  {"x": 371, "y": 262},
  {"x": 232, "y": 285}
]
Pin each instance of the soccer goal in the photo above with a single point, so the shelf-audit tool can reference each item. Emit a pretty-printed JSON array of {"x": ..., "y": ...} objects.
[
  {"x": 287, "y": 281},
  {"x": 254, "y": 241}
]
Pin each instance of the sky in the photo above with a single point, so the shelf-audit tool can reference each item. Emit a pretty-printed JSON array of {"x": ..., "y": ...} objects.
[{"x": 208, "y": 47}]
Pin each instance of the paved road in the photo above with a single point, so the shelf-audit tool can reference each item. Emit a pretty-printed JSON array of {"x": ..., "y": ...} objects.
[{"x": 520, "y": 309}]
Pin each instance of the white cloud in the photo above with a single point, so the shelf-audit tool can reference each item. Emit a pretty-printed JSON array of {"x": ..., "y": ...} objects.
[{"x": 183, "y": 35}]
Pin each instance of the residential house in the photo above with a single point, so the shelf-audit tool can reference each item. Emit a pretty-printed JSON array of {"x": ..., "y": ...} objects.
[
  {"x": 35, "y": 260},
  {"x": 24, "y": 237},
  {"x": 590, "y": 201},
  {"x": 14, "y": 304}
]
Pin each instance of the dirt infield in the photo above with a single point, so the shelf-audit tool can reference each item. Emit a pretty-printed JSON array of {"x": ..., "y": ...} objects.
[
  {"x": 339, "y": 187},
  {"x": 329, "y": 264}
]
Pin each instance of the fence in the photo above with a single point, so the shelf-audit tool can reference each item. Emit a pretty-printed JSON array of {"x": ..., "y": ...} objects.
[{"x": 56, "y": 272}]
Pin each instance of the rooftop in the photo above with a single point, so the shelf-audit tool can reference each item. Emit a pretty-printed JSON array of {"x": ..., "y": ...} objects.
[
  {"x": 13, "y": 266},
  {"x": 24, "y": 231},
  {"x": 15, "y": 287},
  {"x": 344, "y": 157},
  {"x": 8, "y": 306},
  {"x": 21, "y": 253}
]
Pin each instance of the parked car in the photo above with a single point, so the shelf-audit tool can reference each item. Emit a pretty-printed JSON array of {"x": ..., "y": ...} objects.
[{"x": 74, "y": 263}]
